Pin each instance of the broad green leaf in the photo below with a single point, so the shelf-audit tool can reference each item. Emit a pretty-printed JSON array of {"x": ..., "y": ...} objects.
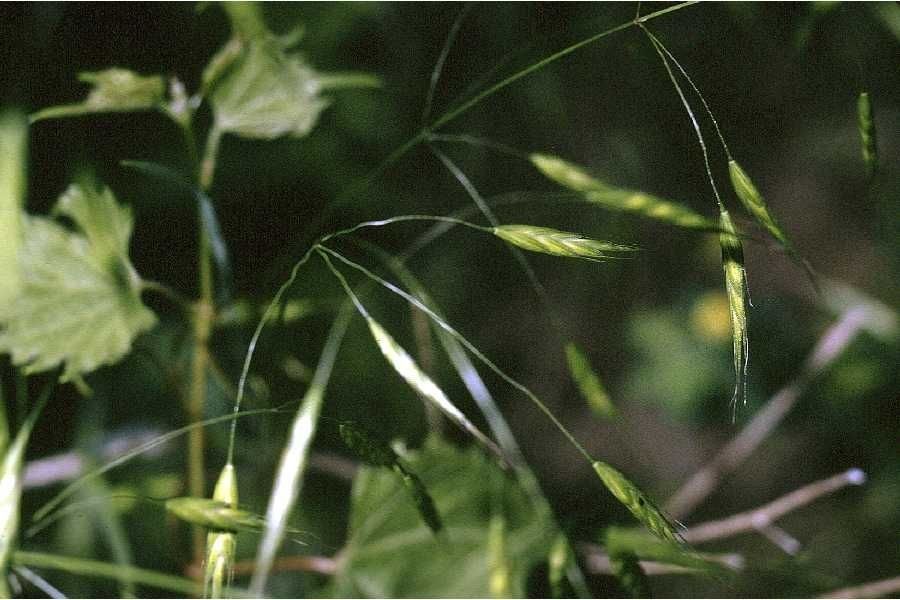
[
  {"x": 257, "y": 90},
  {"x": 260, "y": 90},
  {"x": 644, "y": 509},
  {"x": 13, "y": 162},
  {"x": 390, "y": 553},
  {"x": 113, "y": 90},
  {"x": 588, "y": 383},
  {"x": 79, "y": 304}
]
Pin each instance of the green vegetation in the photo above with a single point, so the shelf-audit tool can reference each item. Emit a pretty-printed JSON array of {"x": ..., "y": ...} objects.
[{"x": 286, "y": 310}]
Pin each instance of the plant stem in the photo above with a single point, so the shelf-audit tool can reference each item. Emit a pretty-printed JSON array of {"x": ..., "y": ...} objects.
[{"x": 204, "y": 316}]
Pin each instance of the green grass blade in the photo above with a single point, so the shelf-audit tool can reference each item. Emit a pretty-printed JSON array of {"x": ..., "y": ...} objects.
[
  {"x": 590, "y": 386},
  {"x": 465, "y": 342},
  {"x": 74, "y": 486},
  {"x": 295, "y": 455},
  {"x": 11, "y": 488},
  {"x": 621, "y": 540},
  {"x": 103, "y": 570}
]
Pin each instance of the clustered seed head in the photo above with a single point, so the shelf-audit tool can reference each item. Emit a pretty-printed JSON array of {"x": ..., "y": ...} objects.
[{"x": 558, "y": 243}]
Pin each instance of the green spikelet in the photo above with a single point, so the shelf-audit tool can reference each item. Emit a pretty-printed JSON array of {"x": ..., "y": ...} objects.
[
  {"x": 557, "y": 562},
  {"x": 379, "y": 454},
  {"x": 558, "y": 243},
  {"x": 214, "y": 514},
  {"x": 221, "y": 546},
  {"x": 367, "y": 447},
  {"x": 757, "y": 206},
  {"x": 615, "y": 198},
  {"x": 737, "y": 292},
  {"x": 498, "y": 567},
  {"x": 866, "y": 121},
  {"x": 637, "y": 502},
  {"x": 588, "y": 383}
]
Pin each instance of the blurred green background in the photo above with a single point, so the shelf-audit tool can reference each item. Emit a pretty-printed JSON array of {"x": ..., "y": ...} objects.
[{"x": 781, "y": 78}]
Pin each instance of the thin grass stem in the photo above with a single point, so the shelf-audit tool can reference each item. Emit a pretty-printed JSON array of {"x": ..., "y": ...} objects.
[{"x": 468, "y": 345}]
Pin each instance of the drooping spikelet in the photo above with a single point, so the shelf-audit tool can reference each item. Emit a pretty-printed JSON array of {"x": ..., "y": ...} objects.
[
  {"x": 407, "y": 368},
  {"x": 379, "y": 454},
  {"x": 558, "y": 243},
  {"x": 616, "y": 198},
  {"x": 636, "y": 502},
  {"x": 866, "y": 122},
  {"x": 737, "y": 291},
  {"x": 588, "y": 383},
  {"x": 221, "y": 546}
]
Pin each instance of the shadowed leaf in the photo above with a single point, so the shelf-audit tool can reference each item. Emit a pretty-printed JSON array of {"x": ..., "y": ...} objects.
[{"x": 80, "y": 300}]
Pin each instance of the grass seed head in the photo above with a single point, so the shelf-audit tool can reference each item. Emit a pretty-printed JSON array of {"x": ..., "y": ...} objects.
[
  {"x": 221, "y": 546},
  {"x": 754, "y": 202},
  {"x": 635, "y": 501},
  {"x": 737, "y": 291},
  {"x": 422, "y": 499},
  {"x": 498, "y": 564},
  {"x": 407, "y": 368},
  {"x": 866, "y": 122},
  {"x": 615, "y": 198},
  {"x": 588, "y": 383},
  {"x": 214, "y": 514},
  {"x": 566, "y": 174},
  {"x": 366, "y": 446},
  {"x": 558, "y": 243}
]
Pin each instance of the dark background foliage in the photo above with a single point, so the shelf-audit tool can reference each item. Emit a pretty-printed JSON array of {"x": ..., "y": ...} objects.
[{"x": 782, "y": 79}]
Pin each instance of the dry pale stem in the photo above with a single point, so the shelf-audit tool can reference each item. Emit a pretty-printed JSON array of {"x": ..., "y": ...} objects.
[{"x": 830, "y": 346}]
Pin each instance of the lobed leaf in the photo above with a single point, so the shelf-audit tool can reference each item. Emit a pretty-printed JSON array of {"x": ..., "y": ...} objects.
[
  {"x": 390, "y": 555},
  {"x": 113, "y": 90},
  {"x": 557, "y": 243},
  {"x": 737, "y": 291},
  {"x": 259, "y": 91},
  {"x": 79, "y": 304},
  {"x": 615, "y": 198},
  {"x": 637, "y": 502},
  {"x": 588, "y": 383}
]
